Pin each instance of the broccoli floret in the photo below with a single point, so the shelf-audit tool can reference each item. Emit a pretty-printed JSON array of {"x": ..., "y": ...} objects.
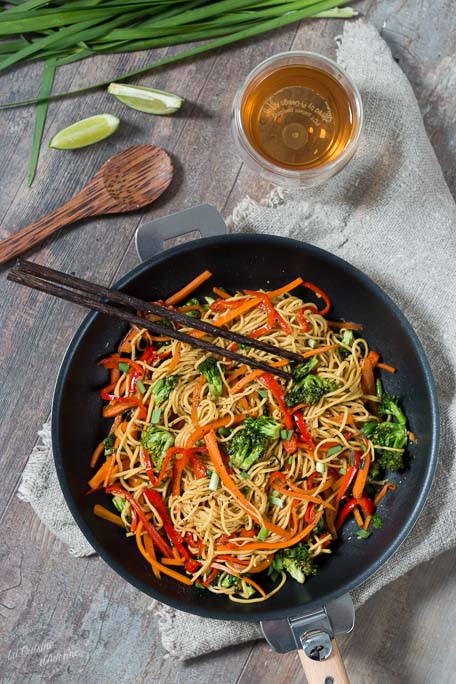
[
  {"x": 229, "y": 581},
  {"x": 375, "y": 472},
  {"x": 391, "y": 460},
  {"x": 369, "y": 428},
  {"x": 246, "y": 447},
  {"x": 162, "y": 388},
  {"x": 320, "y": 527},
  {"x": 297, "y": 562},
  {"x": 309, "y": 390},
  {"x": 109, "y": 442},
  {"x": 302, "y": 369},
  {"x": 389, "y": 435},
  {"x": 268, "y": 427},
  {"x": 389, "y": 406},
  {"x": 376, "y": 521},
  {"x": 347, "y": 339},
  {"x": 211, "y": 372},
  {"x": 156, "y": 441}
]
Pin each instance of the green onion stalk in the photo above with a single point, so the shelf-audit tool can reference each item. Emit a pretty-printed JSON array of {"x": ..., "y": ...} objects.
[{"x": 59, "y": 32}]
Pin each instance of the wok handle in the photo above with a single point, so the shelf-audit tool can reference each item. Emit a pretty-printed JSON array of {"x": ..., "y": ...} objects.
[{"x": 329, "y": 671}]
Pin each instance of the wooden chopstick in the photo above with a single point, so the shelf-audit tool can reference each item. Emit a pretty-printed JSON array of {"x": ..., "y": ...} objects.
[
  {"x": 151, "y": 307},
  {"x": 37, "y": 282}
]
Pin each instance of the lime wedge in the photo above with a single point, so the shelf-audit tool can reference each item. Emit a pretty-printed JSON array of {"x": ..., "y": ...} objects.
[
  {"x": 85, "y": 132},
  {"x": 146, "y": 100}
]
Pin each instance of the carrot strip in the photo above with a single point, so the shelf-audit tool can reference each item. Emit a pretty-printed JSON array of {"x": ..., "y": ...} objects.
[
  {"x": 221, "y": 422},
  {"x": 216, "y": 458},
  {"x": 367, "y": 522},
  {"x": 188, "y": 289},
  {"x": 286, "y": 288},
  {"x": 161, "y": 568},
  {"x": 115, "y": 375},
  {"x": 179, "y": 465},
  {"x": 345, "y": 324},
  {"x": 150, "y": 549},
  {"x": 319, "y": 350},
  {"x": 96, "y": 454},
  {"x": 383, "y": 491},
  {"x": 196, "y": 398},
  {"x": 239, "y": 371},
  {"x": 250, "y": 377},
  {"x": 176, "y": 357},
  {"x": 100, "y": 475},
  {"x": 358, "y": 517},
  {"x": 263, "y": 546},
  {"x": 252, "y": 583},
  {"x": 387, "y": 367},
  {"x": 303, "y": 495},
  {"x": 221, "y": 293},
  {"x": 108, "y": 475},
  {"x": 374, "y": 358},
  {"x": 102, "y": 512},
  {"x": 117, "y": 409},
  {"x": 234, "y": 313},
  {"x": 173, "y": 561},
  {"x": 340, "y": 418},
  {"x": 361, "y": 476}
]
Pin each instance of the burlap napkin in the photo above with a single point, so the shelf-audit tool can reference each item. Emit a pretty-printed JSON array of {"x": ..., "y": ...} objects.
[{"x": 390, "y": 214}]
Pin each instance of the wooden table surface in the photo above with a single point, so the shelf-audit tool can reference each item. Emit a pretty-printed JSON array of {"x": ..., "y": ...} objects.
[{"x": 95, "y": 627}]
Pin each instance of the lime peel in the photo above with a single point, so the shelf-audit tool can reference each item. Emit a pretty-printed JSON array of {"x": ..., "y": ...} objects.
[
  {"x": 85, "y": 132},
  {"x": 148, "y": 100}
]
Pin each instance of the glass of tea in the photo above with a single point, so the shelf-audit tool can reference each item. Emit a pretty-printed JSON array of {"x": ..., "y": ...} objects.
[{"x": 297, "y": 119}]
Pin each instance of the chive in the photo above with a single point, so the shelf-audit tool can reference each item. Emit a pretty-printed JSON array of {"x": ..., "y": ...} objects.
[
  {"x": 40, "y": 117},
  {"x": 313, "y": 344},
  {"x": 140, "y": 386},
  {"x": 124, "y": 367},
  {"x": 244, "y": 474},
  {"x": 263, "y": 393},
  {"x": 262, "y": 534},
  {"x": 335, "y": 450},
  {"x": 379, "y": 388},
  {"x": 156, "y": 415},
  {"x": 214, "y": 481},
  {"x": 363, "y": 534},
  {"x": 342, "y": 471},
  {"x": 276, "y": 501},
  {"x": 320, "y": 467},
  {"x": 286, "y": 434}
]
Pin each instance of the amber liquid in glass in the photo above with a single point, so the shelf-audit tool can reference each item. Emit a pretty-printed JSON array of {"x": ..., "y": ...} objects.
[{"x": 297, "y": 117}]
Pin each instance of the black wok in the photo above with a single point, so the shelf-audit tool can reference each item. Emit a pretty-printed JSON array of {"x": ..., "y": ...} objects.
[{"x": 249, "y": 261}]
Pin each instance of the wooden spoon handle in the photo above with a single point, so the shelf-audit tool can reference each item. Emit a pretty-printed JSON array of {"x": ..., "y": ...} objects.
[
  {"x": 76, "y": 208},
  {"x": 329, "y": 671}
]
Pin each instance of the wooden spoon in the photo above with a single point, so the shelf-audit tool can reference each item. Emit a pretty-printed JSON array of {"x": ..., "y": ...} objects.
[{"x": 128, "y": 181}]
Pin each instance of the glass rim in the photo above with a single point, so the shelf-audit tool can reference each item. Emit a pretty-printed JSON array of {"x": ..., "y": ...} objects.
[{"x": 329, "y": 66}]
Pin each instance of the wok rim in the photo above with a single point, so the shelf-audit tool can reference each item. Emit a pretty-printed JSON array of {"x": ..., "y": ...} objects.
[{"x": 275, "y": 614}]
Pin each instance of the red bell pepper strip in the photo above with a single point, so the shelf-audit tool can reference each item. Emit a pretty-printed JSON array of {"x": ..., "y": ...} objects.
[
  {"x": 114, "y": 360},
  {"x": 156, "y": 537},
  {"x": 305, "y": 325},
  {"x": 290, "y": 445},
  {"x": 212, "y": 576},
  {"x": 155, "y": 481},
  {"x": 277, "y": 474},
  {"x": 148, "y": 354},
  {"x": 364, "y": 502},
  {"x": 105, "y": 393},
  {"x": 277, "y": 392},
  {"x": 198, "y": 467},
  {"x": 303, "y": 429},
  {"x": 310, "y": 512},
  {"x": 272, "y": 314},
  {"x": 321, "y": 294},
  {"x": 349, "y": 476},
  {"x": 174, "y": 536},
  {"x": 133, "y": 376}
]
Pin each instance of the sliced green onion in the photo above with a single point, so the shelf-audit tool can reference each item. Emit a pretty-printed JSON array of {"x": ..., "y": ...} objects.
[
  {"x": 156, "y": 415},
  {"x": 262, "y": 534},
  {"x": 335, "y": 450},
  {"x": 214, "y": 481},
  {"x": 124, "y": 367},
  {"x": 263, "y": 393},
  {"x": 209, "y": 300},
  {"x": 286, "y": 434},
  {"x": 379, "y": 388},
  {"x": 244, "y": 474},
  {"x": 140, "y": 386},
  {"x": 313, "y": 344},
  {"x": 363, "y": 534},
  {"x": 342, "y": 471},
  {"x": 276, "y": 501},
  {"x": 320, "y": 467},
  {"x": 224, "y": 431}
]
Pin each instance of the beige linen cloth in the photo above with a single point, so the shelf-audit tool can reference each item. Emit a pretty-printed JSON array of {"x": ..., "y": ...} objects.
[{"x": 390, "y": 214}]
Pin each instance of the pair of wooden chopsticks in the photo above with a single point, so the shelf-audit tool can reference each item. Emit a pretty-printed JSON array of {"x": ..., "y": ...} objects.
[{"x": 115, "y": 303}]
